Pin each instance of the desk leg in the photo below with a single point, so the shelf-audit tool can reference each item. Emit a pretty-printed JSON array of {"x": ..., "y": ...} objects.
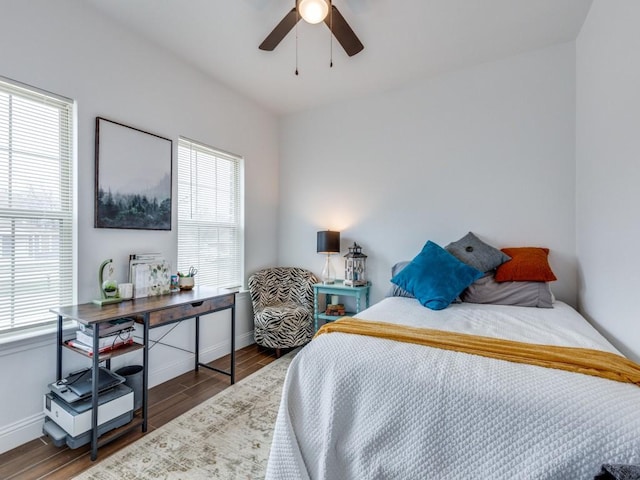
[
  {"x": 232, "y": 371},
  {"x": 197, "y": 343},
  {"x": 59, "y": 351},
  {"x": 95, "y": 375},
  {"x": 145, "y": 372},
  {"x": 233, "y": 344}
]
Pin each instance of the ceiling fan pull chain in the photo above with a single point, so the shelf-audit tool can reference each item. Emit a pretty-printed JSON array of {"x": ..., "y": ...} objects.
[
  {"x": 330, "y": 34},
  {"x": 297, "y": 20}
]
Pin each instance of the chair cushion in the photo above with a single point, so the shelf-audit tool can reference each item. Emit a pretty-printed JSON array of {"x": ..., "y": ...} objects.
[
  {"x": 283, "y": 326},
  {"x": 275, "y": 313}
]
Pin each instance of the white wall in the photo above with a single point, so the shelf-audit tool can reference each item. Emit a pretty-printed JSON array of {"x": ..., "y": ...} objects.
[
  {"x": 488, "y": 149},
  {"x": 66, "y": 48},
  {"x": 608, "y": 170}
]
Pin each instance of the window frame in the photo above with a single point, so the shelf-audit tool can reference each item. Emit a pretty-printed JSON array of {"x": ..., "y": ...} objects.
[
  {"x": 19, "y": 333},
  {"x": 184, "y": 263}
]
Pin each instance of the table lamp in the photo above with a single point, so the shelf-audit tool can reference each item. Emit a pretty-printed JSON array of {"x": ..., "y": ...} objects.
[{"x": 328, "y": 243}]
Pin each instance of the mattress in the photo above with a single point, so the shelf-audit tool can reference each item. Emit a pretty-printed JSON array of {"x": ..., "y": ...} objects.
[{"x": 356, "y": 407}]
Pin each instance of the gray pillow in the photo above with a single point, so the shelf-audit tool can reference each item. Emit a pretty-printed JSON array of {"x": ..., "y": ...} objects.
[
  {"x": 523, "y": 294},
  {"x": 474, "y": 252},
  {"x": 396, "y": 291}
]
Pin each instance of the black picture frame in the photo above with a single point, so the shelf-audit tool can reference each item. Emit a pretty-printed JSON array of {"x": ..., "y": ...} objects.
[{"x": 133, "y": 178}]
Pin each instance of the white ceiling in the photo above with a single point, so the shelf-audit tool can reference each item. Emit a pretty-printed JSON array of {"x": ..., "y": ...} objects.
[{"x": 405, "y": 40}]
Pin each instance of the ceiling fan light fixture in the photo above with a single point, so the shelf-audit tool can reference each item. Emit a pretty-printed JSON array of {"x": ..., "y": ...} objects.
[{"x": 313, "y": 11}]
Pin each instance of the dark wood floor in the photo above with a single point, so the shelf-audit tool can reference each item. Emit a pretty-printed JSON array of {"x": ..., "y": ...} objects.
[{"x": 40, "y": 459}]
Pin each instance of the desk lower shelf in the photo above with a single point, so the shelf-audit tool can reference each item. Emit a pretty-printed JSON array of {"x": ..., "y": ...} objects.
[{"x": 107, "y": 355}]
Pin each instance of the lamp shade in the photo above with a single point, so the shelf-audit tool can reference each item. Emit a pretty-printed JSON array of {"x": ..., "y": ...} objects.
[{"x": 328, "y": 242}]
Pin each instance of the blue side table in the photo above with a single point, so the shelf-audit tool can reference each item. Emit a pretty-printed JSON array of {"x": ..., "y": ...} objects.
[{"x": 338, "y": 288}]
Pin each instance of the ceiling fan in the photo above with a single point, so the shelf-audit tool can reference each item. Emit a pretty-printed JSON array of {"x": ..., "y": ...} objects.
[{"x": 315, "y": 11}]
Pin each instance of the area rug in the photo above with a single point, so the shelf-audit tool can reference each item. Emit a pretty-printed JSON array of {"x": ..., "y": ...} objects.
[{"x": 226, "y": 437}]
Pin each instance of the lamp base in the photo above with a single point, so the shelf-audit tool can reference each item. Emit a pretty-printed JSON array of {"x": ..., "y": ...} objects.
[{"x": 328, "y": 276}]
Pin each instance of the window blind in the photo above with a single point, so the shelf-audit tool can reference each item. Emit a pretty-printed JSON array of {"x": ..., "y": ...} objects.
[
  {"x": 36, "y": 205},
  {"x": 210, "y": 227}
]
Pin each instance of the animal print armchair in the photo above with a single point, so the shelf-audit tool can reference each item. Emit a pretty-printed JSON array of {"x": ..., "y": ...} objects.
[{"x": 282, "y": 300}]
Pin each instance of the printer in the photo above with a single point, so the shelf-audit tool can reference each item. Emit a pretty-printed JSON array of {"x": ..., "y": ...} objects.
[{"x": 68, "y": 407}]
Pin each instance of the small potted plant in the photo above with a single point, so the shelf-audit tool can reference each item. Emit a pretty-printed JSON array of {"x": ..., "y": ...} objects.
[
  {"x": 110, "y": 288},
  {"x": 186, "y": 281}
]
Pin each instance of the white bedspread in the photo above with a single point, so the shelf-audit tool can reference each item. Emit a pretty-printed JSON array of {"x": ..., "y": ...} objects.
[{"x": 356, "y": 407}]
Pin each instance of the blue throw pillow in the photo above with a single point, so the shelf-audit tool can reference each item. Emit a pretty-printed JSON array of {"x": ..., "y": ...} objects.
[{"x": 435, "y": 277}]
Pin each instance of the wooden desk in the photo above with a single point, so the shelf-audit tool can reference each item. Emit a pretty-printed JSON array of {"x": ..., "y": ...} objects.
[{"x": 151, "y": 312}]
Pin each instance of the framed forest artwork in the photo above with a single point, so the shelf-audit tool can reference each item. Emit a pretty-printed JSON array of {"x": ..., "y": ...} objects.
[{"x": 133, "y": 178}]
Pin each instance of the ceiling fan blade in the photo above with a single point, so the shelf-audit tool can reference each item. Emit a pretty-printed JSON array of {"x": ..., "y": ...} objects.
[
  {"x": 275, "y": 37},
  {"x": 343, "y": 32}
]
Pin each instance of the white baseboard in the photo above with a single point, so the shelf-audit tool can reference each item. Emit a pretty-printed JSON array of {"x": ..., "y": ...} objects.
[
  {"x": 20, "y": 432},
  {"x": 30, "y": 428}
]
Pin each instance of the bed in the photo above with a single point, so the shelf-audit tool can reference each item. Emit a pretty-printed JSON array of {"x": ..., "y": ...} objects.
[{"x": 359, "y": 407}]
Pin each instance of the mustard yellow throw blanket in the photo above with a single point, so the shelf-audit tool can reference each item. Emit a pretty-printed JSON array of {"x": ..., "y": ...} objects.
[{"x": 581, "y": 360}]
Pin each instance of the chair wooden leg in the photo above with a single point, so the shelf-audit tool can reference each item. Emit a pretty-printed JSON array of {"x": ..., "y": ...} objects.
[{"x": 278, "y": 352}]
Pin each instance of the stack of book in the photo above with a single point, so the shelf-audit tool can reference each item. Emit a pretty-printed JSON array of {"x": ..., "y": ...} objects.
[
  {"x": 113, "y": 335},
  {"x": 335, "y": 310}
]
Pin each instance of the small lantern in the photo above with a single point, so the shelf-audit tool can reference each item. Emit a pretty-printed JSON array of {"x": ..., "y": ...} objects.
[{"x": 355, "y": 267}]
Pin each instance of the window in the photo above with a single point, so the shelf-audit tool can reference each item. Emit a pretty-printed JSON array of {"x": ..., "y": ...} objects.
[
  {"x": 36, "y": 205},
  {"x": 210, "y": 226}
]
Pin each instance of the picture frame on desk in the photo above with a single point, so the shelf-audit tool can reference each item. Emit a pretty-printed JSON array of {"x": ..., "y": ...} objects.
[{"x": 150, "y": 278}]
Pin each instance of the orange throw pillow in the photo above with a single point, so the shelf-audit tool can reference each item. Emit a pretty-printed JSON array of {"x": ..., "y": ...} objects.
[{"x": 527, "y": 264}]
